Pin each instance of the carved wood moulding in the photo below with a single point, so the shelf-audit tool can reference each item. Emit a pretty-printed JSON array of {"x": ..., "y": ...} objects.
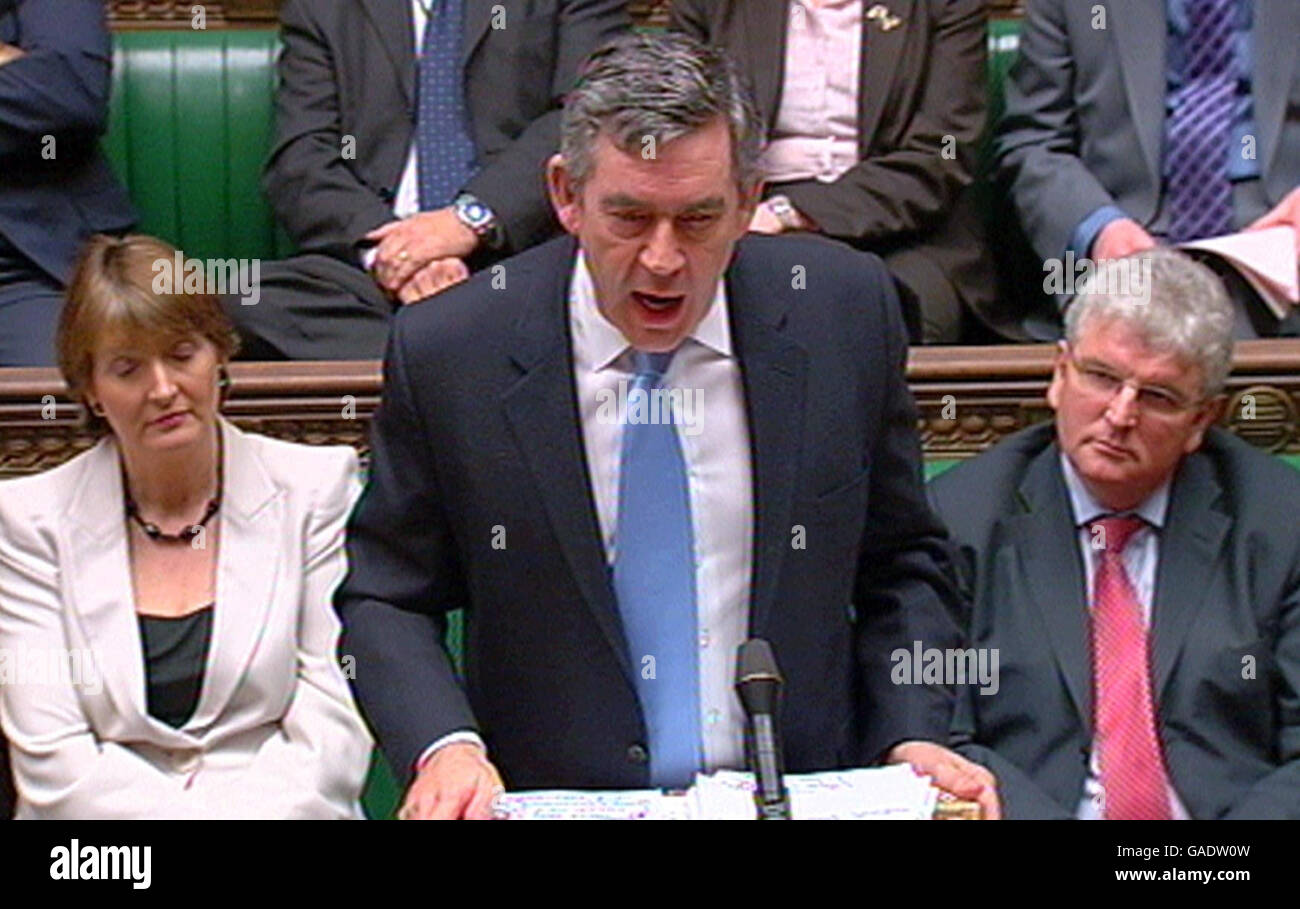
[{"x": 968, "y": 398}]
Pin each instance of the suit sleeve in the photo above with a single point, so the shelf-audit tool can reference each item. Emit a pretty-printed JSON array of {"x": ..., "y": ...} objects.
[
  {"x": 1038, "y": 142},
  {"x": 315, "y": 765},
  {"x": 1277, "y": 795},
  {"x": 912, "y": 188},
  {"x": 60, "y": 86},
  {"x": 403, "y": 578},
  {"x": 62, "y": 771},
  {"x": 318, "y": 198},
  {"x": 906, "y": 590},
  {"x": 512, "y": 185}
]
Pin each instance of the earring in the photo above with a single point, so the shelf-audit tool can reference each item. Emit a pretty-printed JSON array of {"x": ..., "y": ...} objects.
[
  {"x": 97, "y": 409},
  {"x": 223, "y": 378}
]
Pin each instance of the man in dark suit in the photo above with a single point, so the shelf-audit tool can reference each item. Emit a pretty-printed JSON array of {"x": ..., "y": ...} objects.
[
  {"x": 56, "y": 189},
  {"x": 609, "y": 565},
  {"x": 904, "y": 96},
  {"x": 1138, "y": 573},
  {"x": 411, "y": 138},
  {"x": 1153, "y": 121}
]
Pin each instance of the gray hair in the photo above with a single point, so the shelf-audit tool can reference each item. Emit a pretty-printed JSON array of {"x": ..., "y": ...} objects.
[
  {"x": 662, "y": 86},
  {"x": 1175, "y": 303}
]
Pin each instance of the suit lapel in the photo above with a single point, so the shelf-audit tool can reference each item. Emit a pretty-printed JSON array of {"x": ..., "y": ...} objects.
[
  {"x": 881, "y": 53},
  {"x": 1139, "y": 28},
  {"x": 98, "y": 580},
  {"x": 542, "y": 411},
  {"x": 478, "y": 16},
  {"x": 1190, "y": 545},
  {"x": 392, "y": 19},
  {"x": 765, "y": 57},
  {"x": 1276, "y": 25},
  {"x": 1047, "y": 546},
  {"x": 773, "y": 370},
  {"x": 248, "y": 563}
]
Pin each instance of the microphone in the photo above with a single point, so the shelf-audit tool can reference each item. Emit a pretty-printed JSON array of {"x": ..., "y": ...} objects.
[{"x": 758, "y": 683}]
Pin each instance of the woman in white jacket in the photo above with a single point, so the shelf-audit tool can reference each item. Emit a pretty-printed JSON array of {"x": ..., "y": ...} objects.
[{"x": 165, "y": 596}]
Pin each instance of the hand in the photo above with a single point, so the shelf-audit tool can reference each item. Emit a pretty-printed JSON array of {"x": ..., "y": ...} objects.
[
  {"x": 952, "y": 773},
  {"x": 10, "y": 52},
  {"x": 458, "y": 781},
  {"x": 1121, "y": 238},
  {"x": 1286, "y": 214},
  {"x": 408, "y": 245},
  {"x": 764, "y": 222},
  {"x": 434, "y": 278}
]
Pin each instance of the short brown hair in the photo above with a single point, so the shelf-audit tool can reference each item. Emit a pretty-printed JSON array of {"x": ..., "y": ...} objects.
[{"x": 112, "y": 288}]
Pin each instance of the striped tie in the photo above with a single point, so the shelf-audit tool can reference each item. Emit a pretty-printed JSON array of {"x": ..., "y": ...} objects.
[
  {"x": 1198, "y": 131},
  {"x": 1133, "y": 775}
]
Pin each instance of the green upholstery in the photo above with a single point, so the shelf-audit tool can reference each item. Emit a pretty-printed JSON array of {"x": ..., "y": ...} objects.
[{"x": 189, "y": 129}]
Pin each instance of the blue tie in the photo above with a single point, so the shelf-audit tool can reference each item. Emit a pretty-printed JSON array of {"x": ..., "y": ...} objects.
[
  {"x": 1198, "y": 132},
  {"x": 654, "y": 580},
  {"x": 443, "y": 143}
]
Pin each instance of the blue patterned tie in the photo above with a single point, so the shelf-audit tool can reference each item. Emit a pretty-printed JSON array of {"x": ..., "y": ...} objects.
[
  {"x": 654, "y": 580},
  {"x": 1199, "y": 126},
  {"x": 443, "y": 143}
]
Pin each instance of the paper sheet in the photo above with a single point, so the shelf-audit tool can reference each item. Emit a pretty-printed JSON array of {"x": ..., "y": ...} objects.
[{"x": 1265, "y": 258}]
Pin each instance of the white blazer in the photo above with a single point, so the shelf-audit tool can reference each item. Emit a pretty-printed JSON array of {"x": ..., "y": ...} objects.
[{"x": 275, "y": 733}]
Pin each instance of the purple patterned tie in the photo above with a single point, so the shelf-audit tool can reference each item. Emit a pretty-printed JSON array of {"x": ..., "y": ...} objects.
[{"x": 1199, "y": 127}]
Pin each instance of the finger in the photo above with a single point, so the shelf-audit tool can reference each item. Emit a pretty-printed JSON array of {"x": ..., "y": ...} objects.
[
  {"x": 480, "y": 806},
  {"x": 417, "y": 288},
  {"x": 990, "y": 804},
  {"x": 451, "y": 804},
  {"x": 383, "y": 230}
]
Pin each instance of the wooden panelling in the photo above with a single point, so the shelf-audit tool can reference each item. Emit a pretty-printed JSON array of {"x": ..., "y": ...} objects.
[{"x": 968, "y": 398}]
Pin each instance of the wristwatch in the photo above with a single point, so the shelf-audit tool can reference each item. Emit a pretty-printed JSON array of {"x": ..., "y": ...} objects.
[
  {"x": 475, "y": 215},
  {"x": 785, "y": 212}
]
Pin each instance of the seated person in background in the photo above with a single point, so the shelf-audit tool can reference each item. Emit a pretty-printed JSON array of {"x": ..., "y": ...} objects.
[
  {"x": 180, "y": 572},
  {"x": 1138, "y": 571},
  {"x": 872, "y": 125},
  {"x": 411, "y": 140},
  {"x": 56, "y": 189},
  {"x": 1154, "y": 122},
  {"x": 603, "y": 622}
]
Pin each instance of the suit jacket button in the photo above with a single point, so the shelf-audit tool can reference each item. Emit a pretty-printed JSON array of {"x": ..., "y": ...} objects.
[{"x": 636, "y": 754}]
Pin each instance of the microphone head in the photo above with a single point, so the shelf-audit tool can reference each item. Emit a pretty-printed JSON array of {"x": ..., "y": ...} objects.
[{"x": 758, "y": 680}]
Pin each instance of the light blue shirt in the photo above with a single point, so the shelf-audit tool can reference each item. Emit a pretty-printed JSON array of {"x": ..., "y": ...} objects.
[{"x": 1141, "y": 556}]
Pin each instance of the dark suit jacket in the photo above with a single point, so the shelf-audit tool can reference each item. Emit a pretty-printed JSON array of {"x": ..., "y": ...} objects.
[
  {"x": 1085, "y": 117},
  {"x": 50, "y": 205},
  {"x": 348, "y": 69},
  {"x": 1227, "y": 588},
  {"x": 920, "y": 82},
  {"x": 479, "y": 429}
]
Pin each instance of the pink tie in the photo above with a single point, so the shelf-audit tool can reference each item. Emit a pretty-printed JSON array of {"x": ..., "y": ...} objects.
[{"x": 1132, "y": 767}]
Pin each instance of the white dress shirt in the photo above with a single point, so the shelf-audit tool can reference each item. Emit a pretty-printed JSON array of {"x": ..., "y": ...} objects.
[
  {"x": 815, "y": 134},
  {"x": 1141, "y": 556},
  {"x": 719, "y": 476},
  {"x": 715, "y": 446}
]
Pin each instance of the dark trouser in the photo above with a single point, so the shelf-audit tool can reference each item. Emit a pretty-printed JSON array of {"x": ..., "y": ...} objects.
[
  {"x": 312, "y": 307},
  {"x": 30, "y": 303},
  {"x": 1254, "y": 318}
]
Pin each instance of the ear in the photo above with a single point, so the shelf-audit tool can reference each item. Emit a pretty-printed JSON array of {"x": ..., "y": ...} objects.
[
  {"x": 1058, "y": 374},
  {"x": 565, "y": 197},
  {"x": 749, "y": 198},
  {"x": 1206, "y": 417}
]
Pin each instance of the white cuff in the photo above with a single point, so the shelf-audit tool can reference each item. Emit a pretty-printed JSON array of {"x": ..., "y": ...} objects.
[{"x": 465, "y": 736}]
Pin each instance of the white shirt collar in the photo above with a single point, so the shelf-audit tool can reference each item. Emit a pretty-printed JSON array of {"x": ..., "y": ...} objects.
[
  {"x": 597, "y": 344},
  {"x": 1087, "y": 509}
]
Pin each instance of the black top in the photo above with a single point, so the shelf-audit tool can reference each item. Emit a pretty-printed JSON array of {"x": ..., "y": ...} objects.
[{"x": 175, "y": 653}]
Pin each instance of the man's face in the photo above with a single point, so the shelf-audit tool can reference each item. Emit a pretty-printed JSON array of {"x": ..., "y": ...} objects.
[
  {"x": 1124, "y": 442},
  {"x": 657, "y": 231}
]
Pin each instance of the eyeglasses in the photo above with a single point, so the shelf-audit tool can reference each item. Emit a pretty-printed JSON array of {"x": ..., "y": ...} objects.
[{"x": 1103, "y": 382}]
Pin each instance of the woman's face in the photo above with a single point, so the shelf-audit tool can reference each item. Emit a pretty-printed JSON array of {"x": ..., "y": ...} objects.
[{"x": 156, "y": 396}]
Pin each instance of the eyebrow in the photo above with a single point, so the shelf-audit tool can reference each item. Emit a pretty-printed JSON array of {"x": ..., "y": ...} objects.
[
  {"x": 1160, "y": 386},
  {"x": 624, "y": 201}
]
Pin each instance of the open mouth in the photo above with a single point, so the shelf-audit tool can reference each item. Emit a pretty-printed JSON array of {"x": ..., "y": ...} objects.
[{"x": 658, "y": 307}]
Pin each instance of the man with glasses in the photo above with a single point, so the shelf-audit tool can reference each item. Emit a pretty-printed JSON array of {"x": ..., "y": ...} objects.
[{"x": 1137, "y": 571}]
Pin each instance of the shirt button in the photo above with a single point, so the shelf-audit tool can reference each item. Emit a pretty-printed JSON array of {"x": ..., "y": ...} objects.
[
  {"x": 704, "y": 639},
  {"x": 713, "y": 716},
  {"x": 636, "y": 754}
]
